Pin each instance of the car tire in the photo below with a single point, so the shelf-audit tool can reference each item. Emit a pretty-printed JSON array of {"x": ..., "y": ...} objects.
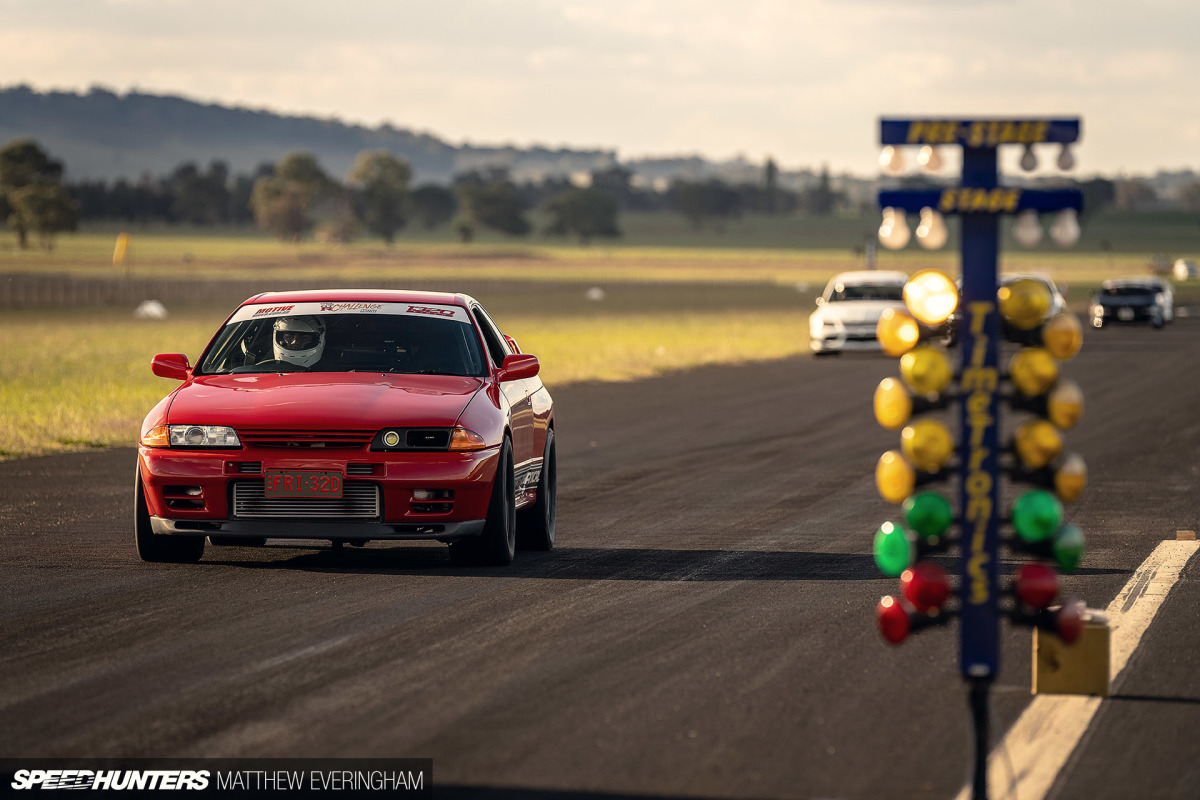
[
  {"x": 535, "y": 525},
  {"x": 497, "y": 544},
  {"x": 154, "y": 547}
]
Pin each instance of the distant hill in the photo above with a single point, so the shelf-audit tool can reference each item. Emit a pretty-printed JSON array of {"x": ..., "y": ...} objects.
[{"x": 102, "y": 135}]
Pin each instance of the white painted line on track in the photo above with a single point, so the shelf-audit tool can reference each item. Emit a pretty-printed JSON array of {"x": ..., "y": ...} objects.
[{"x": 1028, "y": 760}]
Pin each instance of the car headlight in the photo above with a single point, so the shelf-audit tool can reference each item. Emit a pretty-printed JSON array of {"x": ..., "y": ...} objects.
[{"x": 213, "y": 436}]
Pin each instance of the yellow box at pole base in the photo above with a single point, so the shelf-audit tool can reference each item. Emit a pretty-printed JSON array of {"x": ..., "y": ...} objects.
[{"x": 1078, "y": 668}]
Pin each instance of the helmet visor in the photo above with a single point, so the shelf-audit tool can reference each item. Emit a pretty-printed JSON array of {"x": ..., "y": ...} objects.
[{"x": 297, "y": 340}]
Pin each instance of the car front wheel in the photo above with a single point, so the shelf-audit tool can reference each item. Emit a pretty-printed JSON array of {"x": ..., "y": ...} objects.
[
  {"x": 154, "y": 547},
  {"x": 497, "y": 544}
]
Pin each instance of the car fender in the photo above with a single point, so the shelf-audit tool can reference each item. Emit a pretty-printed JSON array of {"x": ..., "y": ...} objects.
[
  {"x": 543, "y": 417},
  {"x": 158, "y": 414},
  {"x": 488, "y": 413}
]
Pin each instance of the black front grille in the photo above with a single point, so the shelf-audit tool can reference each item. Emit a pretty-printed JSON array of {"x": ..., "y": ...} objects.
[
  {"x": 306, "y": 439},
  {"x": 359, "y": 500}
]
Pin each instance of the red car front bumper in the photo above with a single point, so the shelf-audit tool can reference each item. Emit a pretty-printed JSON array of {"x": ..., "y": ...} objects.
[{"x": 220, "y": 493}]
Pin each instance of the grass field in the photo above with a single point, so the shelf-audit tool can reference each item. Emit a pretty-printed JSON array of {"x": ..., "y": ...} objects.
[
  {"x": 674, "y": 299},
  {"x": 655, "y": 248},
  {"x": 71, "y": 380}
]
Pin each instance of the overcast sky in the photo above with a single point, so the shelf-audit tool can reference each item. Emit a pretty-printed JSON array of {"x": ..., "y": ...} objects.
[{"x": 803, "y": 81}]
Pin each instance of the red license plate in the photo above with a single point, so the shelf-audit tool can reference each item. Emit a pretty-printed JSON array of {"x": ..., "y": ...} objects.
[{"x": 302, "y": 483}]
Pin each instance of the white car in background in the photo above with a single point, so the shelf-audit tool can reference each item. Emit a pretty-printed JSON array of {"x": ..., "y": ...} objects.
[{"x": 848, "y": 310}]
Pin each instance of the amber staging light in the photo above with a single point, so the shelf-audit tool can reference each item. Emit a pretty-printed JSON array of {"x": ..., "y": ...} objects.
[
  {"x": 1024, "y": 303},
  {"x": 893, "y": 404},
  {"x": 931, "y": 296},
  {"x": 926, "y": 369},
  {"x": 897, "y": 332},
  {"x": 927, "y": 444},
  {"x": 1063, "y": 336},
  {"x": 894, "y": 477},
  {"x": 1033, "y": 371}
]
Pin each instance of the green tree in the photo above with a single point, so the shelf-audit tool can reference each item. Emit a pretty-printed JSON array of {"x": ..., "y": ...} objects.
[
  {"x": 490, "y": 202},
  {"x": 303, "y": 170},
  {"x": 200, "y": 198},
  {"x": 23, "y": 165},
  {"x": 288, "y": 201},
  {"x": 701, "y": 201},
  {"x": 383, "y": 188},
  {"x": 585, "y": 213},
  {"x": 1189, "y": 196},
  {"x": 770, "y": 187},
  {"x": 821, "y": 199},
  {"x": 45, "y": 208},
  {"x": 434, "y": 205},
  {"x": 281, "y": 208}
]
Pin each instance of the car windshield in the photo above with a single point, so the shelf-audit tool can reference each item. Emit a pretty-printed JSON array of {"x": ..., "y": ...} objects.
[
  {"x": 434, "y": 340},
  {"x": 864, "y": 291},
  {"x": 1128, "y": 291}
]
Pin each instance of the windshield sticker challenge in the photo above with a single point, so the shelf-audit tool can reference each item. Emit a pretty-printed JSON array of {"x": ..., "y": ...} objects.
[
  {"x": 362, "y": 308},
  {"x": 336, "y": 307}
]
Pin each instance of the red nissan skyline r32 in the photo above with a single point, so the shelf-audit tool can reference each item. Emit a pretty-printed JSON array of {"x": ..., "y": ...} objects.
[{"x": 350, "y": 415}]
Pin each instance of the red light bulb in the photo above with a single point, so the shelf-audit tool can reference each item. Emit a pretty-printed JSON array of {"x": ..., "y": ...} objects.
[
  {"x": 926, "y": 586},
  {"x": 1036, "y": 585},
  {"x": 894, "y": 624}
]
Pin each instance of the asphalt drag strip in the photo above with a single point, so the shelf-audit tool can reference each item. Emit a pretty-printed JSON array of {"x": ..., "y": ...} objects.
[{"x": 704, "y": 626}]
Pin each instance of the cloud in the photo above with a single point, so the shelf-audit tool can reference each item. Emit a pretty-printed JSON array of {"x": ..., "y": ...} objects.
[{"x": 803, "y": 80}]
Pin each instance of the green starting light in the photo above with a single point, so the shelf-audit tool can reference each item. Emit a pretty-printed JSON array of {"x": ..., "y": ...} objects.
[
  {"x": 1037, "y": 515},
  {"x": 894, "y": 549},
  {"x": 1068, "y": 547},
  {"x": 927, "y": 514}
]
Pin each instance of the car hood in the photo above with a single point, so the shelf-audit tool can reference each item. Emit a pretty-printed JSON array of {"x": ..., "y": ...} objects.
[
  {"x": 854, "y": 312},
  {"x": 308, "y": 401}
]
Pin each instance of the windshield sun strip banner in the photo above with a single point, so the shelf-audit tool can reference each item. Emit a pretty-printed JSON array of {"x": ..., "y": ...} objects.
[{"x": 272, "y": 310}]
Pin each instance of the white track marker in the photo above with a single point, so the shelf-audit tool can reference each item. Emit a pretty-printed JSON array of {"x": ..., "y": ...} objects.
[{"x": 1027, "y": 762}]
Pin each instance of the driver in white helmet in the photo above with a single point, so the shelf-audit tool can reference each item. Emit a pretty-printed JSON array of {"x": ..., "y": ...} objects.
[{"x": 299, "y": 340}]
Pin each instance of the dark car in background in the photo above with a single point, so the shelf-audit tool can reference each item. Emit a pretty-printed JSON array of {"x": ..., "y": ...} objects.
[{"x": 1129, "y": 300}]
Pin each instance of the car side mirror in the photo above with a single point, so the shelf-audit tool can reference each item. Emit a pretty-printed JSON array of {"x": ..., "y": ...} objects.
[
  {"x": 512, "y": 343},
  {"x": 518, "y": 367},
  {"x": 171, "y": 365}
]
